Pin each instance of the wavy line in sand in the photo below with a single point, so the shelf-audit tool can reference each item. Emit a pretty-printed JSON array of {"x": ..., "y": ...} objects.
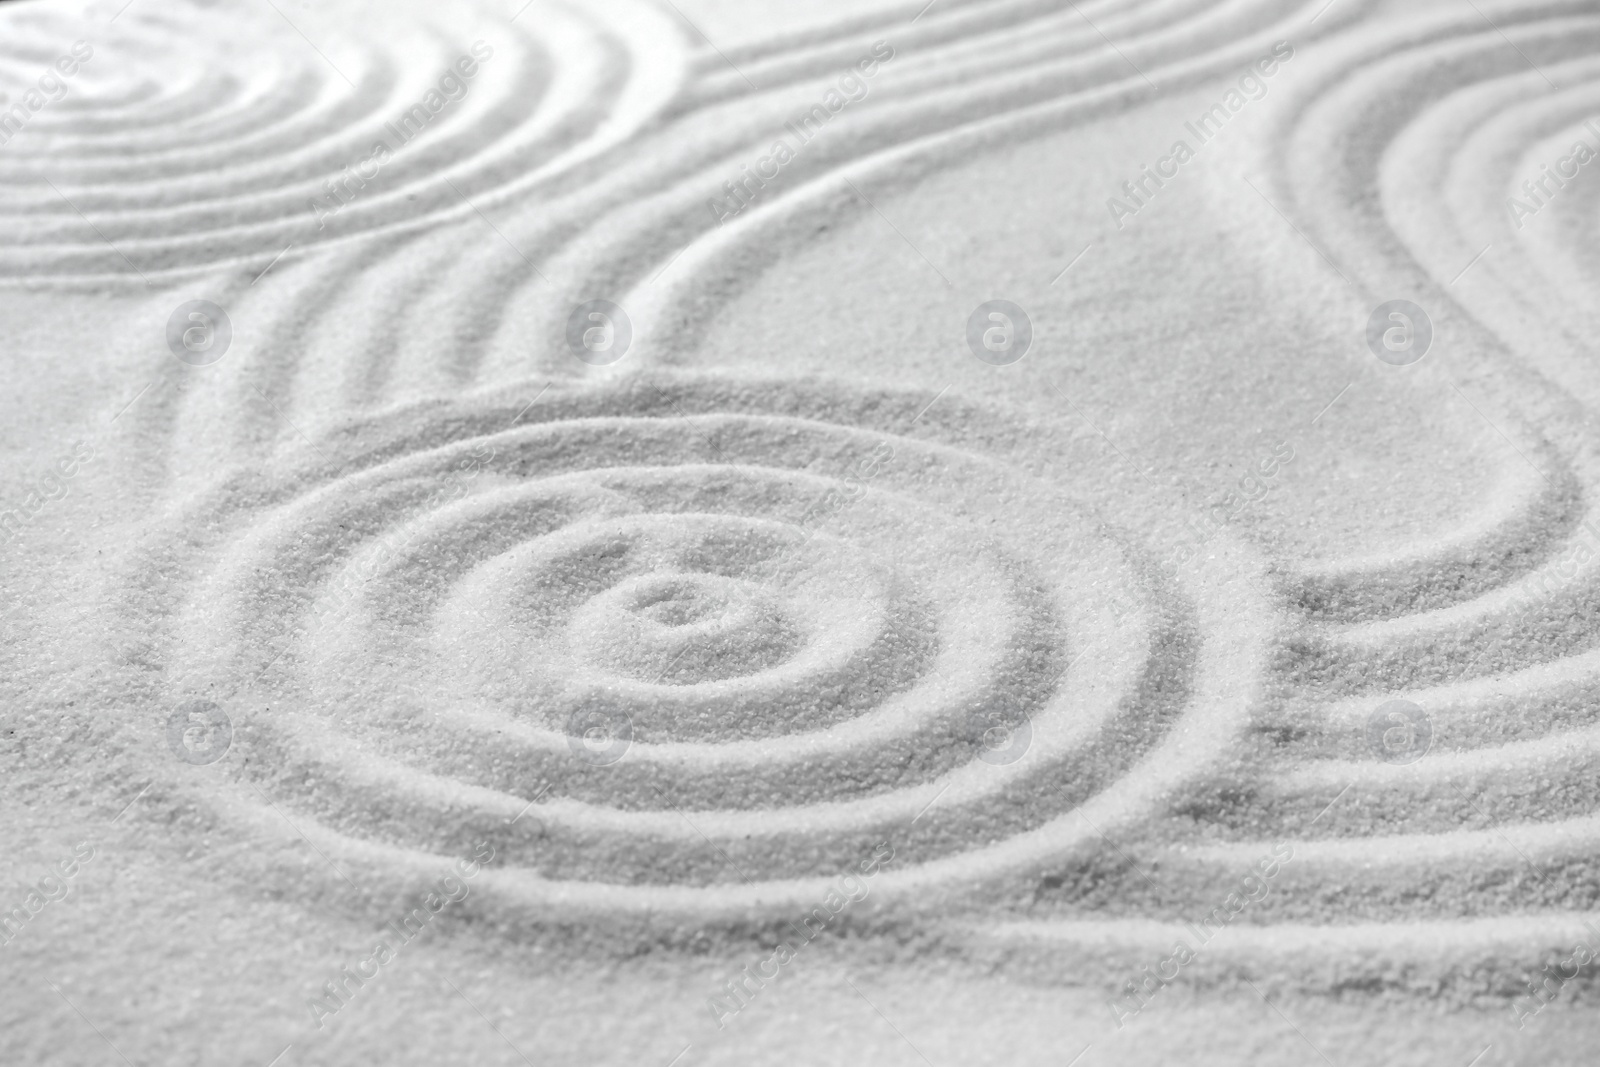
[
  {"x": 1496, "y": 620},
  {"x": 639, "y": 232},
  {"x": 584, "y": 857}
]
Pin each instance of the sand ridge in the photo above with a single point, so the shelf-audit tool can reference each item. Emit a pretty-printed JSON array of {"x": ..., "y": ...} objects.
[{"x": 684, "y": 641}]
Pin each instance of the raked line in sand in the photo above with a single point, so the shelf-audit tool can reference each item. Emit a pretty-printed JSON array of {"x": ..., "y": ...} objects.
[{"x": 908, "y": 599}]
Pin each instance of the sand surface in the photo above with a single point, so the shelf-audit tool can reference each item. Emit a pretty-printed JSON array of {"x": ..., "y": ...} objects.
[{"x": 527, "y": 537}]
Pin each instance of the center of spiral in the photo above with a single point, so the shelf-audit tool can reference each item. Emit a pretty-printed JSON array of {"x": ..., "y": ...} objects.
[
  {"x": 680, "y": 602},
  {"x": 685, "y": 628},
  {"x": 689, "y": 625}
]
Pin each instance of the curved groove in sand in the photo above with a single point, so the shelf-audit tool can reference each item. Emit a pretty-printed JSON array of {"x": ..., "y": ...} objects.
[
  {"x": 1394, "y": 156},
  {"x": 707, "y": 820},
  {"x": 1479, "y": 713},
  {"x": 239, "y": 162},
  {"x": 1120, "y": 684}
]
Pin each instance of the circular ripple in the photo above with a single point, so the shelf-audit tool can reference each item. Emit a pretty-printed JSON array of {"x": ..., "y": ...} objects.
[
  {"x": 732, "y": 641},
  {"x": 183, "y": 138},
  {"x": 1429, "y": 739}
]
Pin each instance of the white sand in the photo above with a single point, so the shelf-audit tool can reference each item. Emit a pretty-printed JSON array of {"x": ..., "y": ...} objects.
[{"x": 957, "y": 693}]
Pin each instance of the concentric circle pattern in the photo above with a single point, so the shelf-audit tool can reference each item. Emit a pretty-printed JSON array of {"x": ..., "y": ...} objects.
[
  {"x": 191, "y": 135},
  {"x": 1428, "y": 740},
  {"x": 723, "y": 641},
  {"x": 684, "y": 647}
]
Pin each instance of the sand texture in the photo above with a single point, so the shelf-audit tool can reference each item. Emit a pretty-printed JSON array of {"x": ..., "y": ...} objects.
[{"x": 697, "y": 533}]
